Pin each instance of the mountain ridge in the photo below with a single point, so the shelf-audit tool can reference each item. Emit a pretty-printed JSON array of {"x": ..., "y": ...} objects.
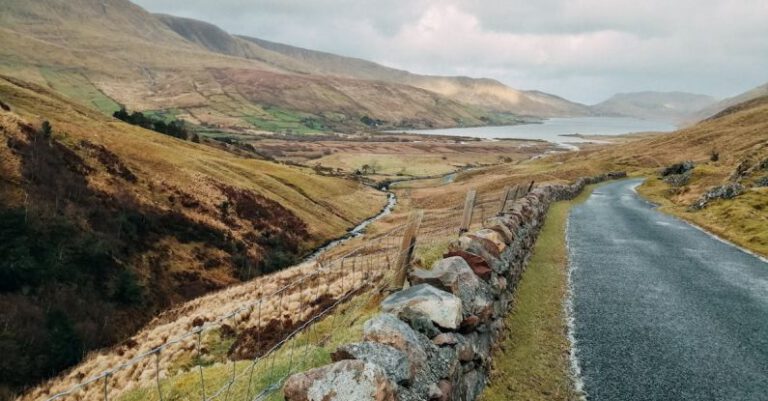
[
  {"x": 674, "y": 107},
  {"x": 212, "y": 78}
]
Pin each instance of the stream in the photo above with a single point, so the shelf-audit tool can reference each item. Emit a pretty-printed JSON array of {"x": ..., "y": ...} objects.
[{"x": 357, "y": 230}]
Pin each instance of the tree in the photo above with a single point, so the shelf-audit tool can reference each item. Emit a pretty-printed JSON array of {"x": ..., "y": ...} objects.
[
  {"x": 128, "y": 291},
  {"x": 66, "y": 347},
  {"x": 46, "y": 130},
  {"x": 121, "y": 114}
]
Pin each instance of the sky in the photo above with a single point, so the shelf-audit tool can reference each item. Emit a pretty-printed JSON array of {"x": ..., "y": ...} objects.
[{"x": 583, "y": 50}]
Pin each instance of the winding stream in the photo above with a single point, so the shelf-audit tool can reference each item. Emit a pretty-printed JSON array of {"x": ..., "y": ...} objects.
[{"x": 357, "y": 230}]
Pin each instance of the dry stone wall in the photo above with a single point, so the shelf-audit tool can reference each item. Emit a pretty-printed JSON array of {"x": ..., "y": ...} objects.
[{"x": 433, "y": 340}]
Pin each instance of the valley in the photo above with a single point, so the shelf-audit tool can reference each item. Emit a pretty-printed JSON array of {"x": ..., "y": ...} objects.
[{"x": 192, "y": 213}]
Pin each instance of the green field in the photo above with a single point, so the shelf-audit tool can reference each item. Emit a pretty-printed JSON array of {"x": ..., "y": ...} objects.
[{"x": 75, "y": 86}]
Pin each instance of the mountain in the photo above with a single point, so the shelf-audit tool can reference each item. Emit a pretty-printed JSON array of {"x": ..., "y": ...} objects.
[
  {"x": 482, "y": 92},
  {"x": 673, "y": 107},
  {"x": 104, "y": 224},
  {"x": 713, "y": 109},
  {"x": 104, "y": 53}
]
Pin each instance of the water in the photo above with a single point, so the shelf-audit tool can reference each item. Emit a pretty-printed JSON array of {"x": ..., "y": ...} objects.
[
  {"x": 357, "y": 231},
  {"x": 553, "y": 129}
]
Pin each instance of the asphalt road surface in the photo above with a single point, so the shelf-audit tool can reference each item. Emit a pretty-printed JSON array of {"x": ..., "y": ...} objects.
[{"x": 662, "y": 310}]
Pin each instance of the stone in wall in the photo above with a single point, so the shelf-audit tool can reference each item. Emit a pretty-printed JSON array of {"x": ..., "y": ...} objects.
[
  {"x": 341, "y": 381},
  {"x": 443, "y": 308}
]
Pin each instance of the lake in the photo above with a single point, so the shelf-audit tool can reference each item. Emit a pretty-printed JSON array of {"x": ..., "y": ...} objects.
[{"x": 553, "y": 129}]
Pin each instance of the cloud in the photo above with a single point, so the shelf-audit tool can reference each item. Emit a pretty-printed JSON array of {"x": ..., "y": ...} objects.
[{"x": 582, "y": 49}]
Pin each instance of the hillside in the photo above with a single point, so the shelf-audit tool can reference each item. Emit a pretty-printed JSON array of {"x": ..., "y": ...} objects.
[
  {"x": 485, "y": 93},
  {"x": 102, "y": 53},
  {"x": 711, "y": 110},
  {"x": 203, "y": 75},
  {"x": 105, "y": 224},
  {"x": 673, "y": 107}
]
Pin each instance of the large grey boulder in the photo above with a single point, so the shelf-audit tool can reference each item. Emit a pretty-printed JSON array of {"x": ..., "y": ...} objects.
[
  {"x": 451, "y": 274},
  {"x": 341, "y": 381},
  {"x": 394, "y": 361},
  {"x": 443, "y": 308}
]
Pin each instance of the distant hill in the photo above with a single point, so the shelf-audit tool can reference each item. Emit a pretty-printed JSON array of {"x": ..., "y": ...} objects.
[
  {"x": 673, "y": 107},
  {"x": 104, "y": 53},
  {"x": 713, "y": 109},
  {"x": 482, "y": 92}
]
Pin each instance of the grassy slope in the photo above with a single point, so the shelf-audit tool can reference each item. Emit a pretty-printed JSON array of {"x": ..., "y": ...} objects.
[
  {"x": 328, "y": 205},
  {"x": 132, "y": 57},
  {"x": 532, "y": 362},
  {"x": 183, "y": 245}
]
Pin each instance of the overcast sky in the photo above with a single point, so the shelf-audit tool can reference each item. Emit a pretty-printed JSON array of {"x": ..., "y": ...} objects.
[{"x": 584, "y": 50}]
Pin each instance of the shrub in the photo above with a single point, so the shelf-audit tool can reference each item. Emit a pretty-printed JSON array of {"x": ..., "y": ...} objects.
[
  {"x": 714, "y": 156},
  {"x": 127, "y": 290}
]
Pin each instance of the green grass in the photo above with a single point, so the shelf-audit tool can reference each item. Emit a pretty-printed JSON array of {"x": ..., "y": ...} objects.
[
  {"x": 280, "y": 120},
  {"x": 532, "y": 362},
  {"x": 167, "y": 116},
  {"x": 78, "y": 88},
  {"x": 741, "y": 220},
  {"x": 431, "y": 253}
]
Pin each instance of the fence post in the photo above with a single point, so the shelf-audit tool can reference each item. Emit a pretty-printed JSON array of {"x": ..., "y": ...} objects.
[
  {"x": 530, "y": 187},
  {"x": 469, "y": 205},
  {"x": 406, "y": 249},
  {"x": 504, "y": 199}
]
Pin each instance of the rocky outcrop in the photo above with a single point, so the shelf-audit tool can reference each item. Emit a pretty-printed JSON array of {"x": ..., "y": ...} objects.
[
  {"x": 677, "y": 168},
  {"x": 727, "y": 191},
  {"x": 433, "y": 340},
  {"x": 678, "y": 180}
]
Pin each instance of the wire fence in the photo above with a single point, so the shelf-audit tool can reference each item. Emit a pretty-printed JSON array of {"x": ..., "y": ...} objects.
[{"x": 248, "y": 353}]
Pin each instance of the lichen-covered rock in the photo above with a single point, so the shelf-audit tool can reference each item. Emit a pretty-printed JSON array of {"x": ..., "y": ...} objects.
[
  {"x": 419, "y": 322},
  {"x": 501, "y": 225},
  {"x": 677, "y": 168},
  {"x": 341, "y": 381},
  {"x": 472, "y": 384},
  {"x": 762, "y": 181},
  {"x": 394, "y": 361},
  {"x": 494, "y": 237},
  {"x": 443, "y": 308},
  {"x": 727, "y": 191},
  {"x": 387, "y": 329},
  {"x": 479, "y": 266},
  {"x": 678, "y": 180},
  {"x": 479, "y": 246},
  {"x": 445, "y": 339},
  {"x": 453, "y": 275}
]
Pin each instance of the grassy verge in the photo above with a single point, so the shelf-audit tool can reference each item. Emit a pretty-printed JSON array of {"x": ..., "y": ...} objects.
[
  {"x": 532, "y": 362},
  {"x": 741, "y": 220}
]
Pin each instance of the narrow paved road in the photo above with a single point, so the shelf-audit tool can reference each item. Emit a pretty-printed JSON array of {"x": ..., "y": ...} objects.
[{"x": 662, "y": 310}]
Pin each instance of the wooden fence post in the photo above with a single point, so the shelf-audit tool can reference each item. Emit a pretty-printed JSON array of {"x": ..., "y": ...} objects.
[
  {"x": 504, "y": 198},
  {"x": 530, "y": 187},
  {"x": 406, "y": 249},
  {"x": 469, "y": 205}
]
